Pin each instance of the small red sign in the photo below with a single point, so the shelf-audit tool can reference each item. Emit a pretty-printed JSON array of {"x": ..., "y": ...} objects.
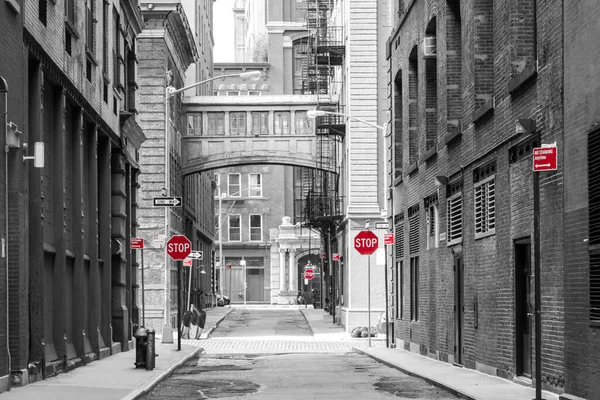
[
  {"x": 544, "y": 158},
  {"x": 137, "y": 243},
  {"x": 188, "y": 262},
  {"x": 324, "y": 255},
  {"x": 388, "y": 238},
  {"x": 179, "y": 247},
  {"x": 336, "y": 257},
  {"x": 309, "y": 274},
  {"x": 366, "y": 242},
  {"x": 229, "y": 266}
]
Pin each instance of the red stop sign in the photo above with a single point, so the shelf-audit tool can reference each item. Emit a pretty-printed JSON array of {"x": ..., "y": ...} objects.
[
  {"x": 179, "y": 247},
  {"x": 309, "y": 274},
  {"x": 366, "y": 242}
]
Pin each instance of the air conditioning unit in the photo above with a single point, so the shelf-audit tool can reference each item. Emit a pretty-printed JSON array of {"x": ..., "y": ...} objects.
[{"x": 429, "y": 46}]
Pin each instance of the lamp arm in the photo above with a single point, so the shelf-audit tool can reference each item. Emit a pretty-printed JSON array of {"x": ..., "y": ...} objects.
[
  {"x": 357, "y": 119},
  {"x": 171, "y": 93}
]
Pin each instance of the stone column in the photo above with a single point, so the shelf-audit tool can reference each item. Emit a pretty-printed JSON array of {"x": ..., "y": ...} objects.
[
  {"x": 281, "y": 270},
  {"x": 292, "y": 277}
]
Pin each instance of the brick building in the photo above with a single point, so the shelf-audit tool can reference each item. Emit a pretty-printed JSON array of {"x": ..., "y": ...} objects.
[
  {"x": 461, "y": 75},
  {"x": 73, "y": 284},
  {"x": 582, "y": 268},
  {"x": 173, "y": 40},
  {"x": 12, "y": 105}
]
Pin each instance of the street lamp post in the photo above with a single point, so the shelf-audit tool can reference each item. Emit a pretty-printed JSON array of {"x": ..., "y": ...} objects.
[{"x": 170, "y": 91}]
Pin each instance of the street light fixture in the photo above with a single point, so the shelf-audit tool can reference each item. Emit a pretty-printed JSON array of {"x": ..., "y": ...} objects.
[{"x": 170, "y": 91}]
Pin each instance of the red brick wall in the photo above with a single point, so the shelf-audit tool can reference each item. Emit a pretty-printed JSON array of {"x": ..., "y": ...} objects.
[
  {"x": 582, "y": 88},
  {"x": 487, "y": 65}
]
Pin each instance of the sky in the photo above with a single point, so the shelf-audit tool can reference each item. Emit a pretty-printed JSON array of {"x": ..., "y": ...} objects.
[{"x": 223, "y": 30}]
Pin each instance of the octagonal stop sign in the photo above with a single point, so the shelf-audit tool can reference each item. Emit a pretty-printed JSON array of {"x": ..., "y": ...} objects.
[
  {"x": 309, "y": 274},
  {"x": 179, "y": 247},
  {"x": 366, "y": 242}
]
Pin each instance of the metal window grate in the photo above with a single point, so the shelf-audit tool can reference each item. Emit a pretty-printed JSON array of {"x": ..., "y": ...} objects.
[
  {"x": 455, "y": 218},
  {"x": 413, "y": 239},
  {"x": 595, "y": 286},
  {"x": 399, "y": 231},
  {"x": 485, "y": 207},
  {"x": 594, "y": 222}
]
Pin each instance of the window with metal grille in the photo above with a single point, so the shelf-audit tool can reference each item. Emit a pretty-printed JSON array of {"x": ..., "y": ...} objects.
[
  {"x": 194, "y": 123},
  {"x": 414, "y": 288},
  {"x": 594, "y": 224},
  {"x": 235, "y": 228},
  {"x": 399, "y": 231},
  {"x": 237, "y": 123},
  {"x": 255, "y": 185},
  {"x": 485, "y": 208},
  {"x": 413, "y": 235},
  {"x": 432, "y": 221},
  {"x": 255, "y": 227},
  {"x": 454, "y": 219},
  {"x": 233, "y": 185}
]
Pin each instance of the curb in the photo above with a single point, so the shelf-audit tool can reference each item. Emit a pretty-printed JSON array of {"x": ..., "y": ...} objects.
[
  {"x": 453, "y": 390},
  {"x": 139, "y": 392},
  {"x": 312, "y": 333},
  {"x": 207, "y": 333}
]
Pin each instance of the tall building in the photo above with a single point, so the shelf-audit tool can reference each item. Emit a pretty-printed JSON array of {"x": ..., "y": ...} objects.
[{"x": 71, "y": 90}]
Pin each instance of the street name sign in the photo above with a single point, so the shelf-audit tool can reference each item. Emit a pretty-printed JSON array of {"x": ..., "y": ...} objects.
[
  {"x": 366, "y": 242},
  {"x": 544, "y": 158},
  {"x": 382, "y": 225},
  {"x": 167, "y": 202},
  {"x": 137, "y": 243},
  {"x": 179, "y": 247},
  {"x": 196, "y": 254}
]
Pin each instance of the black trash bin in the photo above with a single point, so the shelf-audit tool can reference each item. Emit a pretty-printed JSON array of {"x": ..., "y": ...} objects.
[{"x": 141, "y": 344}]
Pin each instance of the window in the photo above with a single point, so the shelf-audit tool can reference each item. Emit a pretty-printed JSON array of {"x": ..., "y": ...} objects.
[
  {"x": 400, "y": 289},
  {"x": 90, "y": 26},
  {"x": 254, "y": 93},
  {"x": 594, "y": 224},
  {"x": 235, "y": 228},
  {"x": 255, "y": 227},
  {"x": 234, "y": 187},
  {"x": 105, "y": 41},
  {"x": 255, "y": 185},
  {"x": 414, "y": 288},
  {"x": 299, "y": 65},
  {"x": 194, "y": 124},
  {"x": 282, "y": 122},
  {"x": 43, "y": 11},
  {"x": 260, "y": 123},
  {"x": 70, "y": 12},
  {"x": 237, "y": 123},
  {"x": 303, "y": 123},
  {"x": 454, "y": 219},
  {"x": 233, "y": 93},
  {"x": 432, "y": 220},
  {"x": 485, "y": 208},
  {"x": 215, "y": 123}
]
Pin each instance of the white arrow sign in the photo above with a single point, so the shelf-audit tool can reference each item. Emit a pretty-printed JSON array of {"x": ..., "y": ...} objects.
[
  {"x": 196, "y": 254},
  {"x": 167, "y": 201}
]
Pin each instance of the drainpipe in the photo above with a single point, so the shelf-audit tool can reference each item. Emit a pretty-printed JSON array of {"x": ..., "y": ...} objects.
[{"x": 4, "y": 91}]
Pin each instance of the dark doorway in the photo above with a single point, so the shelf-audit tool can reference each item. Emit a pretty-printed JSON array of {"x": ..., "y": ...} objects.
[
  {"x": 524, "y": 316},
  {"x": 459, "y": 309}
]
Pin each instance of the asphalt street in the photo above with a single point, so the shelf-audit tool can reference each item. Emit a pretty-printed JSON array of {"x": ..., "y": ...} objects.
[{"x": 271, "y": 354}]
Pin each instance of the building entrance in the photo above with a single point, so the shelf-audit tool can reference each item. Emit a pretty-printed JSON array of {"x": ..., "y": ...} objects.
[
  {"x": 459, "y": 309},
  {"x": 523, "y": 310}
]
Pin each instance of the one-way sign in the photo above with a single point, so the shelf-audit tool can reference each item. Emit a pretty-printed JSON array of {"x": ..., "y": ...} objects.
[
  {"x": 167, "y": 202},
  {"x": 196, "y": 255}
]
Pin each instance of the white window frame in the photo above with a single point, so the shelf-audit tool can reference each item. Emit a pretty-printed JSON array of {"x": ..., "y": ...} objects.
[
  {"x": 433, "y": 239},
  {"x": 255, "y": 189},
  {"x": 235, "y": 193},
  {"x": 449, "y": 203},
  {"x": 484, "y": 207},
  {"x": 250, "y": 227},
  {"x": 230, "y": 228}
]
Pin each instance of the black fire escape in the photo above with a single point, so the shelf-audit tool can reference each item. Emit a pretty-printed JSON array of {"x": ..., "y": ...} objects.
[{"x": 321, "y": 204}]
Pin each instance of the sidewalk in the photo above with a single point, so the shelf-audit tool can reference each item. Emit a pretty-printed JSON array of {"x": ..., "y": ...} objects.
[
  {"x": 465, "y": 382},
  {"x": 323, "y": 328},
  {"x": 116, "y": 377}
]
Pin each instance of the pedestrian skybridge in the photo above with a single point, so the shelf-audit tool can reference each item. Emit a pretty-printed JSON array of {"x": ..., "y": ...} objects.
[{"x": 227, "y": 131}]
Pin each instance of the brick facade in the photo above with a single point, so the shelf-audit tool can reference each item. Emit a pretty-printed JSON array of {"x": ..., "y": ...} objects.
[
  {"x": 582, "y": 115},
  {"x": 482, "y": 87}
]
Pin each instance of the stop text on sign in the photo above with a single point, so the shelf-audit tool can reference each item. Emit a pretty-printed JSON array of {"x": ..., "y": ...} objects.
[
  {"x": 177, "y": 247},
  {"x": 365, "y": 242}
]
